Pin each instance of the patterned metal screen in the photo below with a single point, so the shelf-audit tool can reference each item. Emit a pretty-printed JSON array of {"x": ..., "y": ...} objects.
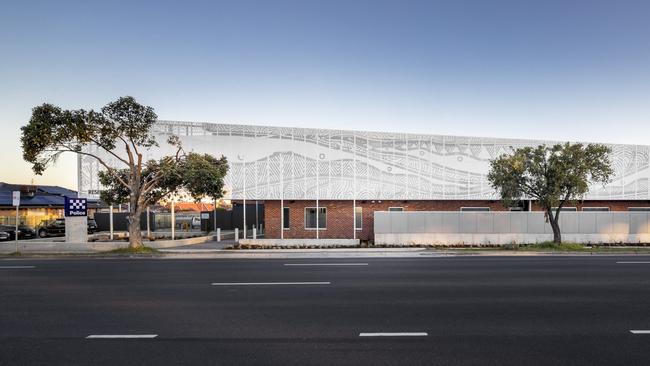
[{"x": 303, "y": 163}]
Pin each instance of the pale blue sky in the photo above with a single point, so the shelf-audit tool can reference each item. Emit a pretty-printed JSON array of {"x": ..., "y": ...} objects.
[{"x": 564, "y": 70}]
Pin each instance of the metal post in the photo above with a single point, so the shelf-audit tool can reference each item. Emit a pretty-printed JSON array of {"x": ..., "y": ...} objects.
[
  {"x": 16, "y": 232},
  {"x": 354, "y": 188},
  {"x": 244, "y": 209},
  {"x": 281, "y": 199},
  {"x": 214, "y": 215},
  {"x": 317, "y": 194},
  {"x": 256, "y": 219},
  {"x": 148, "y": 224},
  {"x": 173, "y": 221},
  {"x": 110, "y": 221}
]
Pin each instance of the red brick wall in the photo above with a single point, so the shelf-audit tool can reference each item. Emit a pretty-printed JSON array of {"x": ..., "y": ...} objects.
[{"x": 339, "y": 214}]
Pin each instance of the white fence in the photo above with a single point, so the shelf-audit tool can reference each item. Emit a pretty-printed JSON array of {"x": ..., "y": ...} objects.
[{"x": 484, "y": 228}]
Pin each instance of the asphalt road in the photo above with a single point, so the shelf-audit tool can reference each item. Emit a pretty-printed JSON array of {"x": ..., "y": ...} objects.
[{"x": 474, "y": 311}]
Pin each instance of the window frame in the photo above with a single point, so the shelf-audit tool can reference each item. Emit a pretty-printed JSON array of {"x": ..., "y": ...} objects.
[
  {"x": 285, "y": 218},
  {"x": 391, "y": 209},
  {"x": 638, "y": 209},
  {"x": 596, "y": 209},
  {"x": 319, "y": 216},
  {"x": 475, "y": 209},
  {"x": 358, "y": 227}
]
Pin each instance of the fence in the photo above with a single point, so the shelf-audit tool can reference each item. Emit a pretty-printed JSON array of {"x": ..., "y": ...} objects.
[{"x": 481, "y": 228}]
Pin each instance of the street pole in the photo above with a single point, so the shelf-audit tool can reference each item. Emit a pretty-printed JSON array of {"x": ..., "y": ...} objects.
[
  {"x": 148, "y": 224},
  {"x": 16, "y": 232},
  {"x": 214, "y": 215},
  {"x": 15, "y": 197},
  {"x": 173, "y": 221},
  {"x": 110, "y": 220},
  {"x": 354, "y": 189},
  {"x": 281, "y": 199}
]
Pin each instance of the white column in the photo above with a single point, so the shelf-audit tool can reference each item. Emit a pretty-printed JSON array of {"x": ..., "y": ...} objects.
[
  {"x": 214, "y": 217},
  {"x": 16, "y": 232},
  {"x": 218, "y": 234},
  {"x": 244, "y": 209},
  {"x": 317, "y": 193},
  {"x": 110, "y": 221},
  {"x": 254, "y": 233},
  {"x": 148, "y": 223},
  {"x": 173, "y": 221},
  {"x": 282, "y": 197},
  {"x": 236, "y": 234},
  {"x": 354, "y": 187}
]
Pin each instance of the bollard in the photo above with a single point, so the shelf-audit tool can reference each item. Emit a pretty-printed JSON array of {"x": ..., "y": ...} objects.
[
  {"x": 218, "y": 234},
  {"x": 254, "y": 233},
  {"x": 236, "y": 235},
  {"x": 110, "y": 221}
]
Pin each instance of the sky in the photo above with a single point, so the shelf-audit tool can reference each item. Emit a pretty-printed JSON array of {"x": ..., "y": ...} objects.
[{"x": 560, "y": 70}]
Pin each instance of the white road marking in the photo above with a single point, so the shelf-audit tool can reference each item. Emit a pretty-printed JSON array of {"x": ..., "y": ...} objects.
[
  {"x": 267, "y": 283},
  {"x": 326, "y": 264},
  {"x": 640, "y": 331},
  {"x": 16, "y": 267},
  {"x": 121, "y": 336},
  {"x": 398, "y": 334},
  {"x": 632, "y": 262}
]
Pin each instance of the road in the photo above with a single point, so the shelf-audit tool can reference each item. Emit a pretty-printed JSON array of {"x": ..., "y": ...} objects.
[{"x": 461, "y": 311}]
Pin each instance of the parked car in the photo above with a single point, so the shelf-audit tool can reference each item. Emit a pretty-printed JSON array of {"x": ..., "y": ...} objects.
[
  {"x": 4, "y": 235},
  {"x": 24, "y": 232},
  {"x": 196, "y": 222},
  {"x": 57, "y": 227}
]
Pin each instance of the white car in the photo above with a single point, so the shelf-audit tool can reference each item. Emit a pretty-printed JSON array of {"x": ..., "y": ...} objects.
[{"x": 196, "y": 222}]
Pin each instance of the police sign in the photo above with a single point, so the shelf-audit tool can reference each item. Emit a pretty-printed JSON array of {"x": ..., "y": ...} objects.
[{"x": 75, "y": 207}]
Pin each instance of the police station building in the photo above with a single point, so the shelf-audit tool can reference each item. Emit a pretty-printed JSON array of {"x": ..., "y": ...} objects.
[{"x": 318, "y": 183}]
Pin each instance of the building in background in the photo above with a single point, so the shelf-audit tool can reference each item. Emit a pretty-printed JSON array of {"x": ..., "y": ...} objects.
[
  {"x": 328, "y": 183},
  {"x": 37, "y": 203}
]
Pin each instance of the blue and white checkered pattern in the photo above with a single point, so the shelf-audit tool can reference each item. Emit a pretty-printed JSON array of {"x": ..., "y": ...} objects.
[{"x": 77, "y": 204}]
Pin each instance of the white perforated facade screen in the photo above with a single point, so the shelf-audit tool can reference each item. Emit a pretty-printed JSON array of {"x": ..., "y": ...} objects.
[{"x": 303, "y": 163}]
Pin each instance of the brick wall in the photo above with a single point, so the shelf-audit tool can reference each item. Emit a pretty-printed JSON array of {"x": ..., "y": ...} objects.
[{"x": 339, "y": 214}]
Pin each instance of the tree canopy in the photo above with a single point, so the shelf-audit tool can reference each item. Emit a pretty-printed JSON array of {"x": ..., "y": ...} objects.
[
  {"x": 121, "y": 133},
  {"x": 550, "y": 175}
]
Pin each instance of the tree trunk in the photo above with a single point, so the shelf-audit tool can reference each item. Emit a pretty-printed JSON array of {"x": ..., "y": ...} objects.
[
  {"x": 554, "y": 220},
  {"x": 557, "y": 235},
  {"x": 135, "y": 234}
]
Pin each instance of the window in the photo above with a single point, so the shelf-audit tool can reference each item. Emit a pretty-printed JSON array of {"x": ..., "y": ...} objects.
[
  {"x": 396, "y": 209},
  {"x": 638, "y": 209},
  {"x": 475, "y": 209},
  {"x": 516, "y": 208},
  {"x": 595, "y": 209},
  {"x": 310, "y": 218},
  {"x": 358, "y": 219},
  {"x": 565, "y": 209},
  {"x": 285, "y": 217}
]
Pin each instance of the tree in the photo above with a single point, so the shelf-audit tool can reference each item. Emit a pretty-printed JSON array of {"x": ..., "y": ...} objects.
[
  {"x": 121, "y": 131},
  {"x": 552, "y": 176}
]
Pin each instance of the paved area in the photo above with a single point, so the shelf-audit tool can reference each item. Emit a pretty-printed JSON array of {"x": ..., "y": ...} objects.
[{"x": 398, "y": 311}]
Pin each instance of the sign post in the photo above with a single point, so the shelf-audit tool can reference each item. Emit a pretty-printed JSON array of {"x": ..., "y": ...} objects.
[
  {"x": 16, "y": 203},
  {"x": 76, "y": 220}
]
